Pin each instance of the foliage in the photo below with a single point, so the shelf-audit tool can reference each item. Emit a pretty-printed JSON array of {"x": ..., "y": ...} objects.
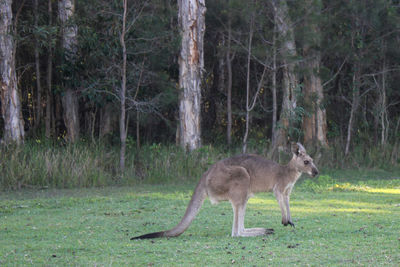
[{"x": 356, "y": 36}]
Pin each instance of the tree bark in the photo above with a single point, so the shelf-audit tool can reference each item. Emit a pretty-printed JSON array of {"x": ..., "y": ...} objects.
[
  {"x": 107, "y": 120},
  {"x": 273, "y": 88},
  {"x": 122, "y": 119},
  {"x": 290, "y": 80},
  {"x": 37, "y": 69},
  {"x": 246, "y": 133},
  {"x": 314, "y": 125},
  {"x": 10, "y": 102},
  {"x": 49, "y": 95},
  {"x": 191, "y": 17},
  {"x": 66, "y": 9},
  {"x": 229, "y": 58},
  {"x": 382, "y": 104},
  {"x": 354, "y": 106}
]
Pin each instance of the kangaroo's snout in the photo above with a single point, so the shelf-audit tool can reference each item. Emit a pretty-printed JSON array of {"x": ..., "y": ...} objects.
[{"x": 315, "y": 172}]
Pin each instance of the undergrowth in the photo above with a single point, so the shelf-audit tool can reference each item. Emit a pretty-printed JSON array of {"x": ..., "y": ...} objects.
[{"x": 40, "y": 165}]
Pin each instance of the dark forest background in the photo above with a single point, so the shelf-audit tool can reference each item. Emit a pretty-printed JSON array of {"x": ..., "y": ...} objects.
[{"x": 355, "y": 43}]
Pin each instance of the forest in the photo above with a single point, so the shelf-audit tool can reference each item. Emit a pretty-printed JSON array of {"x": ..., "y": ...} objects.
[
  {"x": 249, "y": 76},
  {"x": 112, "y": 111}
]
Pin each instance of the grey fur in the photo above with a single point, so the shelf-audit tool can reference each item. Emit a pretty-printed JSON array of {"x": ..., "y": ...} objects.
[{"x": 236, "y": 179}]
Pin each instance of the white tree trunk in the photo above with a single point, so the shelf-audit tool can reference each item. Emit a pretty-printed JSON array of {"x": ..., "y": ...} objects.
[
  {"x": 191, "y": 63},
  {"x": 10, "y": 103},
  {"x": 66, "y": 9}
]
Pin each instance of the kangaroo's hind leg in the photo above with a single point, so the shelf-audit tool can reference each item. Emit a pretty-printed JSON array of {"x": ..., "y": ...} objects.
[{"x": 239, "y": 193}]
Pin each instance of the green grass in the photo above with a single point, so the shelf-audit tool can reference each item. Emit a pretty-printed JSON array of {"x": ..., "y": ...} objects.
[{"x": 92, "y": 227}]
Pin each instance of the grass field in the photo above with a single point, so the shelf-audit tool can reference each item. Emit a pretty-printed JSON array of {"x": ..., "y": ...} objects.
[{"x": 339, "y": 224}]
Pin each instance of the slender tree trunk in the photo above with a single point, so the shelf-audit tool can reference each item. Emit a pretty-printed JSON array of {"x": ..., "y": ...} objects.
[
  {"x": 290, "y": 79},
  {"x": 246, "y": 133},
  {"x": 229, "y": 59},
  {"x": 383, "y": 109},
  {"x": 37, "y": 66},
  {"x": 250, "y": 104},
  {"x": 354, "y": 106},
  {"x": 10, "y": 102},
  {"x": 122, "y": 119},
  {"x": 191, "y": 63},
  {"x": 137, "y": 130},
  {"x": 66, "y": 9},
  {"x": 273, "y": 88},
  {"x": 49, "y": 101}
]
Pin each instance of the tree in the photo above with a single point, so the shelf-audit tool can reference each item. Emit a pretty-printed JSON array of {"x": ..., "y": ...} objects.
[
  {"x": 191, "y": 17},
  {"x": 290, "y": 83},
  {"x": 229, "y": 58},
  {"x": 122, "y": 94},
  {"x": 314, "y": 122},
  {"x": 37, "y": 67},
  {"x": 10, "y": 103},
  {"x": 250, "y": 104},
  {"x": 49, "y": 76},
  {"x": 66, "y": 9}
]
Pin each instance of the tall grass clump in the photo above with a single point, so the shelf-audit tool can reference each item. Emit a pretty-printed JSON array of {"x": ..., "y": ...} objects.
[
  {"x": 39, "y": 164},
  {"x": 158, "y": 163},
  {"x": 44, "y": 165}
]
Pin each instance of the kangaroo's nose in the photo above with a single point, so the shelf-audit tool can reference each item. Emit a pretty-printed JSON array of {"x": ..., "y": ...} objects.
[{"x": 314, "y": 172}]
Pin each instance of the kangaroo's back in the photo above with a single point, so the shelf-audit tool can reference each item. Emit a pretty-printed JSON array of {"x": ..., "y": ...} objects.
[{"x": 263, "y": 172}]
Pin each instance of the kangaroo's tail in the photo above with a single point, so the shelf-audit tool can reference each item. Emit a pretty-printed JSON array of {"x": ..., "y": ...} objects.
[{"x": 191, "y": 211}]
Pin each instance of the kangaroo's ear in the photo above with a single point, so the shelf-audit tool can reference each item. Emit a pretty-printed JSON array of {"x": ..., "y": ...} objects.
[
  {"x": 295, "y": 148},
  {"x": 301, "y": 148},
  {"x": 298, "y": 149}
]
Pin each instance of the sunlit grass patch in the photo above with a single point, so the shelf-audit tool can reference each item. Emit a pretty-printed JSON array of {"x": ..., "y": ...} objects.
[{"x": 364, "y": 188}]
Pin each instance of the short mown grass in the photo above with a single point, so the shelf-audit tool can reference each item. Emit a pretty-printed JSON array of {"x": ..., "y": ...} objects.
[{"x": 92, "y": 227}]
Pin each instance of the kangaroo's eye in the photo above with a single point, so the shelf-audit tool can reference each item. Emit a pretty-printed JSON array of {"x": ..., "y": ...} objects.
[{"x": 306, "y": 162}]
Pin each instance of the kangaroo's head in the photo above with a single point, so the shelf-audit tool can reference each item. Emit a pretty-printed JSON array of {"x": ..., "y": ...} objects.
[{"x": 302, "y": 161}]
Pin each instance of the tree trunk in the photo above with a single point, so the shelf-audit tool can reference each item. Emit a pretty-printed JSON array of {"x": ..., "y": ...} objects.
[
  {"x": 383, "y": 114},
  {"x": 10, "y": 102},
  {"x": 37, "y": 67},
  {"x": 354, "y": 106},
  {"x": 191, "y": 17},
  {"x": 229, "y": 59},
  {"x": 246, "y": 133},
  {"x": 273, "y": 88},
  {"x": 49, "y": 95},
  {"x": 314, "y": 125},
  {"x": 290, "y": 79},
  {"x": 107, "y": 120},
  {"x": 66, "y": 9},
  {"x": 122, "y": 119}
]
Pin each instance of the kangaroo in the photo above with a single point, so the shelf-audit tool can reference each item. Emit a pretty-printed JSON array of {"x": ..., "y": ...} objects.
[{"x": 236, "y": 179}]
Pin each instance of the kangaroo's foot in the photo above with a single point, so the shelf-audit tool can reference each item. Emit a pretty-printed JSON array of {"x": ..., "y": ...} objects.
[
  {"x": 255, "y": 232},
  {"x": 289, "y": 223}
]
